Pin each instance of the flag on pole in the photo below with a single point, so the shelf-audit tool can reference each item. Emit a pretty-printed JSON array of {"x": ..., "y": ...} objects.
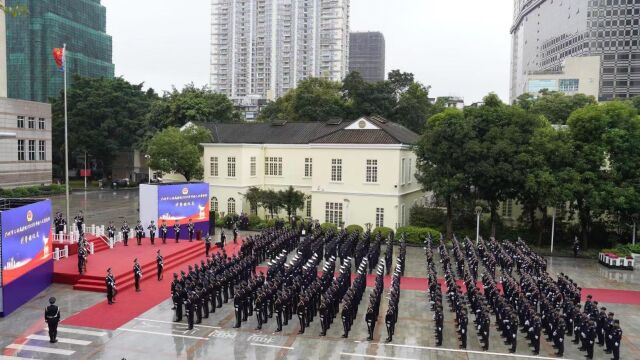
[{"x": 60, "y": 58}]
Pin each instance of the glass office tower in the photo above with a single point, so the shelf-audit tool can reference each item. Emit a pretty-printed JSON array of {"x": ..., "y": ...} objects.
[{"x": 81, "y": 24}]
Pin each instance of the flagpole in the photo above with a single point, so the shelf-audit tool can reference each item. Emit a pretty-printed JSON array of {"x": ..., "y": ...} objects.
[{"x": 66, "y": 139}]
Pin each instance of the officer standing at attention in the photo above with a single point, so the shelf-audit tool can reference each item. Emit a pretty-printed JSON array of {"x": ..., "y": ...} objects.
[
  {"x": 82, "y": 257},
  {"x": 160, "y": 264},
  {"x": 237, "y": 306},
  {"x": 616, "y": 340},
  {"x": 79, "y": 220},
  {"x": 111, "y": 232},
  {"x": 125, "y": 232},
  {"x": 110, "y": 281},
  {"x": 176, "y": 230},
  {"x": 139, "y": 233},
  {"x": 137, "y": 273},
  {"x": 52, "y": 317},
  {"x": 439, "y": 317},
  {"x": 152, "y": 232},
  {"x": 235, "y": 233},
  {"x": 223, "y": 238},
  {"x": 191, "y": 230},
  {"x": 163, "y": 231},
  {"x": 207, "y": 245}
]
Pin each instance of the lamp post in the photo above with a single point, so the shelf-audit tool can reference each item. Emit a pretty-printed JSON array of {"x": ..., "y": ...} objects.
[
  {"x": 148, "y": 157},
  {"x": 634, "y": 218},
  {"x": 368, "y": 226},
  {"x": 553, "y": 227},
  {"x": 478, "y": 211}
]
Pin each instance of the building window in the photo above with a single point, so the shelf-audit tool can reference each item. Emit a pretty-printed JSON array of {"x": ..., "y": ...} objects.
[
  {"x": 402, "y": 174},
  {"x": 309, "y": 207},
  {"x": 507, "y": 209},
  {"x": 273, "y": 166},
  {"x": 252, "y": 166},
  {"x": 308, "y": 167},
  {"x": 31, "y": 123},
  {"x": 20, "y": 122},
  {"x": 409, "y": 171},
  {"x": 41, "y": 124},
  {"x": 372, "y": 171},
  {"x": 231, "y": 166},
  {"x": 32, "y": 150},
  {"x": 42, "y": 154},
  {"x": 402, "y": 212},
  {"x": 569, "y": 85},
  {"x": 20, "y": 150},
  {"x": 336, "y": 169},
  {"x": 379, "y": 217},
  {"x": 214, "y": 204},
  {"x": 333, "y": 213},
  {"x": 214, "y": 165},
  {"x": 231, "y": 206}
]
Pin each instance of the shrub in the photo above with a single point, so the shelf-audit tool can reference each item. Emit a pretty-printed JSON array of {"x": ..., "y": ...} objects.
[
  {"x": 19, "y": 192},
  {"x": 421, "y": 216},
  {"x": 326, "y": 227},
  {"x": 384, "y": 232},
  {"x": 416, "y": 235},
  {"x": 620, "y": 251},
  {"x": 353, "y": 228},
  {"x": 254, "y": 220}
]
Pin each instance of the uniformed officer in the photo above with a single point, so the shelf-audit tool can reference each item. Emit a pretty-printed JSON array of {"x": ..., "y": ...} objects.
[
  {"x": 235, "y": 234},
  {"x": 79, "y": 220},
  {"x": 137, "y": 274},
  {"x": 277, "y": 304},
  {"x": 110, "y": 281},
  {"x": 616, "y": 340},
  {"x": 139, "y": 233},
  {"x": 191, "y": 230},
  {"x": 223, "y": 238},
  {"x": 207, "y": 245},
  {"x": 389, "y": 320},
  {"x": 237, "y": 306},
  {"x": 439, "y": 317},
  {"x": 302, "y": 314},
  {"x": 52, "y": 317},
  {"x": 164, "y": 230},
  {"x": 152, "y": 232},
  {"x": 370, "y": 317},
  {"x": 59, "y": 222},
  {"x": 160, "y": 265},
  {"x": 82, "y": 257},
  {"x": 591, "y": 338},
  {"x": 558, "y": 338},
  {"x": 189, "y": 302},
  {"x": 125, "y": 232},
  {"x": 111, "y": 232},
  {"x": 176, "y": 230}
]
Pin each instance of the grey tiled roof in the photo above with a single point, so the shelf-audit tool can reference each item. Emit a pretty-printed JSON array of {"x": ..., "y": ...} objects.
[{"x": 310, "y": 133}]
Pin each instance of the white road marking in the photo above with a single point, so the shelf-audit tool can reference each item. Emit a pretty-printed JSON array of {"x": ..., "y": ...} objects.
[
  {"x": 468, "y": 351},
  {"x": 80, "y": 331},
  {"x": 376, "y": 356},
  {"x": 176, "y": 323},
  {"x": 21, "y": 347},
  {"x": 60, "y": 340},
  {"x": 164, "y": 334},
  {"x": 7, "y": 357},
  {"x": 272, "y": 346}
]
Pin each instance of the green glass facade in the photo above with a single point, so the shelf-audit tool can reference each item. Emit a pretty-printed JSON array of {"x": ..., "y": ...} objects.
[{"x": 81, "y": 24}]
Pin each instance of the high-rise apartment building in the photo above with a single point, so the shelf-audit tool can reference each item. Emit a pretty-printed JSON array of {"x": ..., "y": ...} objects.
[
  {"x": 367, "y": 55},
  {"x": 264, "y": 47},
  {"x": 545, "y": 33},
  {"x": 81, "y": 24}
]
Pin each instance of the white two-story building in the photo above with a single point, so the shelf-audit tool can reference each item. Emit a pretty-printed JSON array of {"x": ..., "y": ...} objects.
[{"x": 354, "y": 172}]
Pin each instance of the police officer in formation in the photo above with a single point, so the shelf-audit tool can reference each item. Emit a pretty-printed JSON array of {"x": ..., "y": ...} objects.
[
  {"x": 125, "y": 232},
  {"x": 152, "y": 232},
  {"x": 139, "y": 229},
  {"x": 159, "y": 265},
  {"x": 82, "y": 258},
  {"x": 190, "y": 230},
  {"x": 59, "y": 223},
  {"x": 79, "y": 221},
  {"x": 164, "y": 230},
  {"x": 137, "y": 274},
  {"x": 110, "y": 282},
  {"x": 176, "y": 231},
  {"x": 111, "y": 232},
  {"x": 52, "y": 318}
]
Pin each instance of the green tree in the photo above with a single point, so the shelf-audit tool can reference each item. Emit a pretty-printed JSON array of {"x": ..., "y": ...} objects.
[
  {"x": 18, "y": 10},
  {"x": 556, "y": 106},
  {"x": 400, "y": 81},
  {"x": 253, "y": 196},
  {"x": 366, "y": 99},
  {"x": 292, "y": 200},
  {"x": 413, "y": 108},
  {"x": 442, "y": 159},
  {"x": 271, "y": 201},
  {"x": 105, "y": 116},
  {"x": 172, "y": 150},
  {"x": 314, "y": 99},
  {"x": 636, "y": 102},
  {"x": 179, "y": 107},
  {"x": 500, "y": 132}
]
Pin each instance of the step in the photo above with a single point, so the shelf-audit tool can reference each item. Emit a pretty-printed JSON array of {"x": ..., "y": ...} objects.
[{"x": 127, "y": 281}]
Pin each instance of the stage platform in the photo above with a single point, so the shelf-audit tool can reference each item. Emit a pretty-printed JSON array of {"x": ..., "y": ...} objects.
[{"x": 120, "y": 260}]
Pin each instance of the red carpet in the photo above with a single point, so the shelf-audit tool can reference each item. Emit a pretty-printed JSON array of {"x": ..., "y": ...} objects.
[{"x": 130, "y": 304}]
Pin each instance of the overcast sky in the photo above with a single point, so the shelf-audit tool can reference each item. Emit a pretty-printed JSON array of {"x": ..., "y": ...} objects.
[{"x": 459, "y": 47}]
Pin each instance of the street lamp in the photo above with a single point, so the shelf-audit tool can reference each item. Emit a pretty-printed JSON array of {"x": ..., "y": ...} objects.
[
  {"x": 634, "y": 218},
  {"x": 368, "y": 226},
  {"x": 478, "y": 211},
  {"x": 148, "y": 157}
]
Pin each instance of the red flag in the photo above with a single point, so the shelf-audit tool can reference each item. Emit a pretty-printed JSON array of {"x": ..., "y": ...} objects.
[{"x": 59, "y": 57}]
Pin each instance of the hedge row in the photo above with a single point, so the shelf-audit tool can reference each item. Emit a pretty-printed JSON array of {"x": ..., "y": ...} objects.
[
  {"x": 30, "y": 191},
  {"x": 623, "y": 250},
  {"x": 416, "y": 235}
]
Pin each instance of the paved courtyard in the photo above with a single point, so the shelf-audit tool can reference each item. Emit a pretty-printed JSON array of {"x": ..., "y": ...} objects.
[{"x": 153, "y": 335}]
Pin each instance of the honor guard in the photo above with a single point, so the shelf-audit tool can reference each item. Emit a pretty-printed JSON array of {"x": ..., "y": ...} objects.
[
  {"x": 223, "y": 238},
  {"x": 439, "y": 318},
  {"x": 79, "y": 220},
  {"x": 82, "y": 258},
  {"x": 164, "y": 230},
  {"x": 111, "y": 232},
  {"x": 237, "y": 306},
  {"x": 616, "y": 340},
  {"x": 190, "y": 307},
  {"x": 370, "y": 318},
  {"x": 52, "y": 317},
  {"x": 235, "y": 234},
  {"x": 207, "y": 245},
  {"x": 125, "y": 232},
  {"x": 176, "y": 231},
  {"x": 160, "y": 265},
  {"x": 139, "y": 233},
  {"x": 137, "y": 273},
  {"x": 191, "y": 230},
  {"x": 152, "y": 232},
  {"x": 59, "y": 223},
  {"x": 110, "y": 281}
]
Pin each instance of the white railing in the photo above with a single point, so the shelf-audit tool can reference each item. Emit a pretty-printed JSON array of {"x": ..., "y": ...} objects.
[{"x": 61, "y": 253}]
